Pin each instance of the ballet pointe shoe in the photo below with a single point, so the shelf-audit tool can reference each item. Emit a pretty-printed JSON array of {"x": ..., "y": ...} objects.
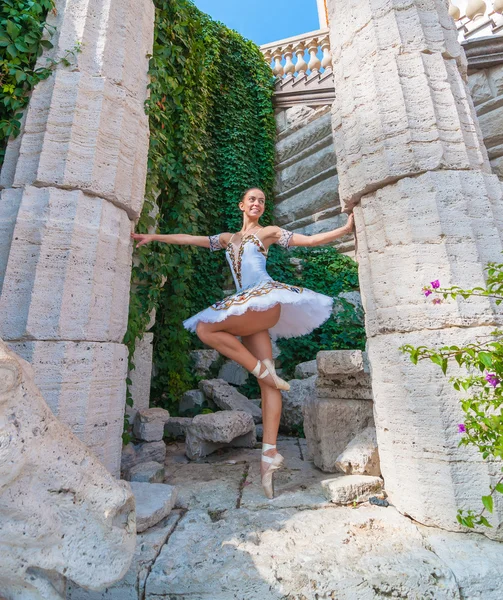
[
  {"x": 280, "y": 384},
  {"x": 275, "y": 462}
]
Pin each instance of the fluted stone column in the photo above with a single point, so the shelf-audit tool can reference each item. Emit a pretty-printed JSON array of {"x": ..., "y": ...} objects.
[
  {"x": 72, "y": 183},
  {"x": 412, "y": 163}
]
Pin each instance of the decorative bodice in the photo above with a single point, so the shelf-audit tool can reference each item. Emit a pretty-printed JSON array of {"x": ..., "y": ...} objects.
[{"x": 247, "y": 261}]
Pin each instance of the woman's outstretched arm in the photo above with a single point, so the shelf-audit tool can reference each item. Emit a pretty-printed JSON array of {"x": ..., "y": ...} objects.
[
  {"x": 180, "y": 239},
  {"x": 319, "y": 239}
]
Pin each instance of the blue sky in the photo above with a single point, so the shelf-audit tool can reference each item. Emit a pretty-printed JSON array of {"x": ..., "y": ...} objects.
[{"x": 264, "y": 21}]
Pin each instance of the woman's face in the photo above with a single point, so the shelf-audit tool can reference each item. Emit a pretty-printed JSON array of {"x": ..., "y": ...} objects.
[{"x": 253, "y": 204}]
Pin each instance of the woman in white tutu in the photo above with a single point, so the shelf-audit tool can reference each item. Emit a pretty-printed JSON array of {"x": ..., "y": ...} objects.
[{"x": 260, "y": 309}]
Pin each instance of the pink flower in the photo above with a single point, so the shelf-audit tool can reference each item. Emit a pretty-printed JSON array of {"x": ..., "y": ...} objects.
[
  {"x": 427, "y": 291},
  {"x": 435, "y": 284},
  {"x": 461, "y": 428},
  {"x": 492, "y": 379},
  {"x": 437, "y": 301}
]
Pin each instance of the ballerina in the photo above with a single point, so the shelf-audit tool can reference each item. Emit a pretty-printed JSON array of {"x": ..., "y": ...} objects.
[{"x": 260, "y": 309}]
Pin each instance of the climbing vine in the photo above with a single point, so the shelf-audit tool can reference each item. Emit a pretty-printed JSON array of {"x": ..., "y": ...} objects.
[{"x": 22, "y": 27}]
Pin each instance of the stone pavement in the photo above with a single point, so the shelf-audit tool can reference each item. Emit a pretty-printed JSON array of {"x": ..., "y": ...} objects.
[{"x": 226, "y": 541}]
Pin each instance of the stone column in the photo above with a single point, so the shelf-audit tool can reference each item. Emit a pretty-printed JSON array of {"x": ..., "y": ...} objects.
[
  {"x": 72, "y": 183},
  {"x": 412, "y": 163}
]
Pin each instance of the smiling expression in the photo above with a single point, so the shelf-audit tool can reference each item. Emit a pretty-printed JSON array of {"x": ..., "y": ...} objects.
[{"x": 253, "y": 204}]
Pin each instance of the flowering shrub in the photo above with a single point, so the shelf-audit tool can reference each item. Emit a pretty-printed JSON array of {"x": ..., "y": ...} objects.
[{"x": 483, "y": 361}]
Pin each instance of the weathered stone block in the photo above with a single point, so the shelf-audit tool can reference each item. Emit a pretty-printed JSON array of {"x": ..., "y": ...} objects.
[
  {"x": 330, "y": 424},
  {"x": 176, "y": 426},
  {"x": 306, "y": 369},
  {"x": 301, "y": 390},
  {"x": 141, "y": 375},
  {"x": 72, "y": 106},
  {"x": 135, "y": 454},
  {"x": 203, "y": 360},
  {"x": 67, "y": 274},
  {"x": 210, "y": 432},
  {"x": 191, "y": 400},
  {"x": 227, "y": 397},
  {"x": 154, "y": 502},
  {"x": 84, "y": 384},
  {"x": 351, "y": 488},
  {"x": 149, "y": 424},
  {"x": 149, "y": 472},
  {"x": 361, "y": 455},
  {"x": 338, "y": 363},
  {"x": 233, "y": 373}
]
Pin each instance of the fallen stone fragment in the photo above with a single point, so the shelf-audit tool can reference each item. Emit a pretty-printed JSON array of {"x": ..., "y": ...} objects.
[
  {"x": 203, "y": 360},
  {"x": 233, "y": 373},
  {"x": 306, "y": 369},
  {"x": 176, "y": 426},
  {"x": 301, "y": 390},
  {"x": 154, "y": 502},
  {"x": 193, "y": 399},
  {"x": 149, "y": 472},
  {"x": 361, "y": 456},
  {"x": 351, "y": 488},
  {"x": 135, "y": 454},
  {"x": 210, "y": 432},
  {"x": 227, "y": 397},
  {"x": 149, "y": 424}
]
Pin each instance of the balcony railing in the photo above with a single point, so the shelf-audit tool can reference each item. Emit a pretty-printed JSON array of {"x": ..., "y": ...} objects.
[{"x": 303, "y": 68}]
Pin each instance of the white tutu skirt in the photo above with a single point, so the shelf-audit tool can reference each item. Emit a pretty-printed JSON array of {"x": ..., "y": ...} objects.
[{"x": 302, "y": 310}]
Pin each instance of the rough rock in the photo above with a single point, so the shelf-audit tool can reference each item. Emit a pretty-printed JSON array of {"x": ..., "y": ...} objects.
[
  {"x": 227, "y": 397},
  {"x": 233, "y": 373},
  {"x": 259, "y": 429},
  {"x": 149, "y": 472},
  {"x": 306, "y": 369},
  {"x": 53, "y": 487},
  {"x": 132, "y": 585},
  {"x": 176, "y": 426},
  {"x": 154, "y": 502},
  {"x": 210, "y": 432},
  {"x": 335, "y": 363},
  {"x": 301, "y": 390},
  {"x": 361, "y": 455},
  {"x": 347, "y": 489},
  {"x": 339, "y": 552},
  {"x": 149, "y": 424},
  {"x": 204, "y": 360},
  {"x": 135, "y": 454},
  {"x": 193, "y": 399},
  {"x": 141, "y": 375}
]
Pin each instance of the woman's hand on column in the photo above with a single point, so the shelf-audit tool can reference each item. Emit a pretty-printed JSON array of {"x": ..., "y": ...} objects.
[
  {"x": 350, "y": 223},
  {"x": 143, "y": 238}
]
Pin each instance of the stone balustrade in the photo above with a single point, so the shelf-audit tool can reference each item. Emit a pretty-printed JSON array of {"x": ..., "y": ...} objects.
[
  {"x": 303, "y": 68},
  {"x": 476, "y": 18}
]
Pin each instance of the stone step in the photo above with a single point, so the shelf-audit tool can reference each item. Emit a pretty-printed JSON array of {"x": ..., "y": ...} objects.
[{"x": 154, "y": 502}]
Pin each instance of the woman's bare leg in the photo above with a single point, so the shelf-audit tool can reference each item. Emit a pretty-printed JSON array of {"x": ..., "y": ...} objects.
[
  {"x": 259, "y": 344},
  {"x": 222, "y": 336}
]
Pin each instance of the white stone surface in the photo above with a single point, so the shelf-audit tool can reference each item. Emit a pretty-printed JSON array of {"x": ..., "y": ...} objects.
[
  {"x": 361, "y": 455},
  {"x": 347, "y": 489},
  {"x": 58, "y": 503},
  {"x": 141, "y": 375},
  {"x": 149, "y": 472},
  {"x": 68, "y": 268},
  {"x": 132, "y": 585},
  {"x": 210, "y": 432},
  {"x": 306, "y": 369},
  {"x": 336, "y": 363},
  {"x": 84, "y": 384},
  {"x": 348, "y": 554},
  {"x": 226, "y": 397},
  {"x": 154, "y": 502},
  {"x": 301, "y": 390},
  {"x": 149, "y": 424},
  {"x": 233, "y": 373}
]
